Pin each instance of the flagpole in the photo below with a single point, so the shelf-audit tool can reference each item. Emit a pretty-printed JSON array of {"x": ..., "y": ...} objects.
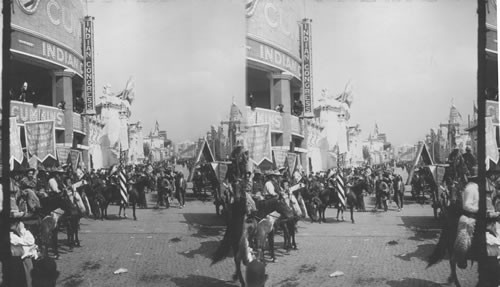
[{"x": 484, "y": 275}]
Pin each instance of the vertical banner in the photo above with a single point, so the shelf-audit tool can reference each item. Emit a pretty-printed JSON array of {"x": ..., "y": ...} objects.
[
  {"x": 88, "y": 63},
  {"x": 307, "y": 85},
  {"x": 222, "y": 171},
  {"x": 492, "y": 111},
  {"x": 41, "y": 139},
  {"x": 63, "y": 154},
  {"x": 258, "y": 139},
  {"x": 491, "y": 143},
  {"x": 280, "y": 157},
  {"x": 291, "y": 160},
  {"x": 74, "y": 157},
  {"x": 16, "y": 150}
]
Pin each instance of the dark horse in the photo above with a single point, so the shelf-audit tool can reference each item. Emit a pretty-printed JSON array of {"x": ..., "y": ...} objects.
[
  {"x": 455, "y": 178},
  {"x": 50, "y": 216},
  {"x": 264, "y": 218},
  {"x": 236, "y": 233},
  {"x": 111, "y": 193},
  {"x": 353, "y": 198}
]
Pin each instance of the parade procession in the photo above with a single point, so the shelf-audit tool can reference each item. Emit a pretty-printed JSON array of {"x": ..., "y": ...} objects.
[{"x": 250, "y": 143}]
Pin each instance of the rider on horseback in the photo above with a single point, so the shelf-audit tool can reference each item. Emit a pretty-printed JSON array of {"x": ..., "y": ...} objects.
[{"x": 271, "y": 188}]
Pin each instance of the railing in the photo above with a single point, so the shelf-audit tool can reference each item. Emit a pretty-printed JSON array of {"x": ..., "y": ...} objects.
[
  {"x": 78, "y": 123},
  {"x": 264, "y": 116},
  {"x": 26, "y": 112}
]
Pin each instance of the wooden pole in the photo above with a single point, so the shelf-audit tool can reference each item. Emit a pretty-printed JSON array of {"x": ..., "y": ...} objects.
[
  {"x": 481, "y": 143},
  {"x": 5, "y": 149}
]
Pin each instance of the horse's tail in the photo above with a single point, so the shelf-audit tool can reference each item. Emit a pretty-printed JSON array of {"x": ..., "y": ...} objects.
[
  {"x": 233, "y": 232},
  {"x": 440, "y": 249}
]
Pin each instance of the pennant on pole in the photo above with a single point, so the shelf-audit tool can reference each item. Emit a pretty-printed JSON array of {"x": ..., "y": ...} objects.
[
  {"x": 491, "y": 143},
  {"x": 16, "y": 150}
]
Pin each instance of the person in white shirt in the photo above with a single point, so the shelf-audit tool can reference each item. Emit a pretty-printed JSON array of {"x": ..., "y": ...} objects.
[{"x": 271, "y": 184}]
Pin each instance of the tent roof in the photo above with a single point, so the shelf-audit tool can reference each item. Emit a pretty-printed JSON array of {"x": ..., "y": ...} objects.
[{"x": 206, "y": 152}]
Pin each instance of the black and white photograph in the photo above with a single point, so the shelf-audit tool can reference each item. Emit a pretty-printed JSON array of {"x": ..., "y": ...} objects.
[{"x": 226, "y": 143}]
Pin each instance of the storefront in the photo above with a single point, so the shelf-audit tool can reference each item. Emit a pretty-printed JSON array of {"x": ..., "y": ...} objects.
[{"x": 46, "y": 70}]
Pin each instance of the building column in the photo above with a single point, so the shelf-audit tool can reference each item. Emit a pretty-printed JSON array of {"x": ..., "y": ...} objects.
[
  {"x": 281, "y": 94},
  {"x": 54, "y": 90},
  {"x": 64, "y": 92}
]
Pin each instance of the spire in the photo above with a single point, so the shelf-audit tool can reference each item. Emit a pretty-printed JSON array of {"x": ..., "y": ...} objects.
[
  {"x": 156, "y": 131},
  {"x": 455, "y": 115},
  {"x": 235, "y": 113}
]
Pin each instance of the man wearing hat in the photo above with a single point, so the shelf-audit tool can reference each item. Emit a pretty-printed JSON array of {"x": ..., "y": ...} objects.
[
  {"x": 470, "y": 160},
  {"x": 271, "y": 187},
  {"x": 29, "y": 181}
]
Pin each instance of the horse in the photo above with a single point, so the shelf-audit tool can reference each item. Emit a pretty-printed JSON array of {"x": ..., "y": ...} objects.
[
  {"x": 135, "y": 186},
  {"x": 268, "y": 212},
  {"x": 353, "y": 198},
  {"x": 236, "y": 234},
  {"x": 455, "y": 178},
  {"x": 111, "y": 193},
  {"x": 93, "y": 191},
  {"x": 56, "y": 209},
  {"x": 289, "y": 226}
]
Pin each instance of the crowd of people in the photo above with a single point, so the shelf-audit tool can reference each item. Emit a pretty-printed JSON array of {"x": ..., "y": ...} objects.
[{"x": 30, "y": 186}]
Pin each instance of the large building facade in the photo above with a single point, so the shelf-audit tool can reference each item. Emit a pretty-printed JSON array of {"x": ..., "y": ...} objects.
[
  {"x": 47, "y": 59},
  {"x": 274, "y": 74}
]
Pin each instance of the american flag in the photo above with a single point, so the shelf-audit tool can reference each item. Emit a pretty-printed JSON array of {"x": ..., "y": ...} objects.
[
  {"x": 123, "y": 185},
  {"x": 341, "y": 188}
]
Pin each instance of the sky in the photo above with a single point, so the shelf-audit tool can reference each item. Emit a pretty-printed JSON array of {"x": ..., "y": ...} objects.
[
  {"x": 187, "y": 59},
  {"x": 406, "y": 60}
]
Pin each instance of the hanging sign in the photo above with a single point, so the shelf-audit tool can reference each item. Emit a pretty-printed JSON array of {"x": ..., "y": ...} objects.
[
  {"x": 291, "y": 160},
  {"x": 492, "y": 111},
  {"x": 258, "y": 138},
  {"x": 41, "y": 139},
  {"x": 307, "y": 84},
  {"x": 62, "y": 154},
  {"x": 280, "y": 157},
  {"x": 88, "y": 64},
  {"x": 74, "y": 157}
]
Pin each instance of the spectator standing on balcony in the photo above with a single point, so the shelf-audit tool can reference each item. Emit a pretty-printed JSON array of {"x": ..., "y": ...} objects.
[
  {"x": 27, "y": 95},
  {"x": 251, "y": 102},
  {"x": 298, "y": 107},
  {"x": 79, "y": 104},
  {"x": 279, "y": 108}
]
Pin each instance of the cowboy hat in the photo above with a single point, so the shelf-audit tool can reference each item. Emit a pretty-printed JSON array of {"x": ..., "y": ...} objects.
[
  {"x": 55, "y": 169},
  {"x": 273, "y": 172}
]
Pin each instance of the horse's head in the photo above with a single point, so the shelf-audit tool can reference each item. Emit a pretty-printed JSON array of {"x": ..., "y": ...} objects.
[
  {"x": 313, "y": 208},
  {"x": 283, "y": 208}
]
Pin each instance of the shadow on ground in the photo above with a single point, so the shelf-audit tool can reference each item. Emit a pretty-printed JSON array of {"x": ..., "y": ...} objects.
[
  {"x": 205, "y": 225},
  {"x": 423, "y": 252},
  {"x": 412, "y": 282},
  {"x": 206, "y": 249},
  {"x": 201, "y": 281},
  {"x": 420, "y": 222}
]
